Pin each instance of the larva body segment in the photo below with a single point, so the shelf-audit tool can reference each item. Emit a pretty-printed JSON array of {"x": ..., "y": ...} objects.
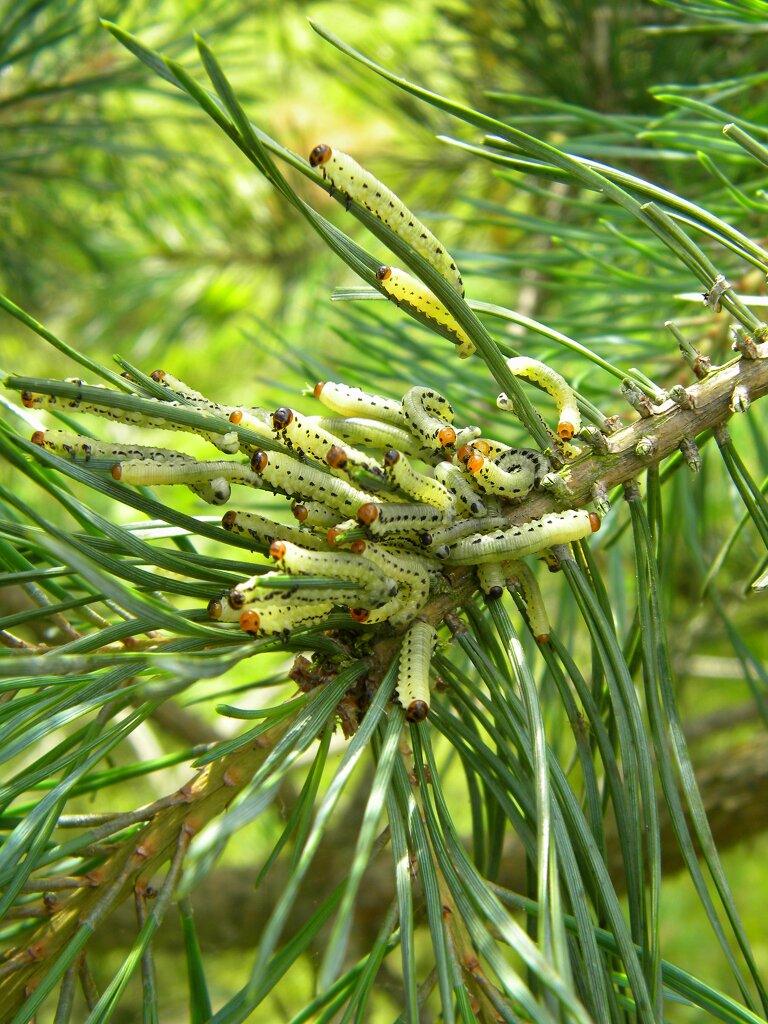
[
  {"x": 438, "y": 541},
  {"x": 416, "y": 485},
  {"x": 294, "y": 478},
  {"x": 534, "y": 370},
  {"x": 516, "y": 542},
  {"x": 410, "y": 292},
  {"x": 227, "y": 443},
  {"x": 144, "y": 473},
  {"x": 314, "y": 515},
  {"x": 413, "y": 689},
  {"x": 338, "y": 565},
  {"x": 264, "y": 531},
  {"x": 492, "y": 580},
  {"x": 279, "y": 619},
  {"x": 388, "y": 517},
  {"x": 520, "y": 575},
  {"x": 214, "y": 492},
  {"x": 369, "y": 433},
  {"x": 429, "y": 417},
  {"x": 190, "y": 396},
  {"x": 412, "y": 576},
  {"x": 515, "y": 481},
  {"x": 257, "y": 421},
  {"x": 466, "y": 496},
  {"x": 353, "y": 181},
  {"x": 304, "y": 435},
  {"x": 348, "y": 401}
]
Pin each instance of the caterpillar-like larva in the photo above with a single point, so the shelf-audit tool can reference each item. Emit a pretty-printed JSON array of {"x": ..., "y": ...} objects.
[
  {"x": 280, "y": 619},
  {"x": 429, "y": 417},
  {"x": 144, "y": 473},
  {"x": 297, "y": 480},
  {"x": 306, "y": 437},
  {"x": 438, "y": 541},
  {"x": 466, "y": 496},
  {"x": 412, "y": 576},
  {"x": 520, "y": 575},
  {"x": 369, "y": 433},
  {"x": 520, "y": 473},
  {"x": 353, "y": 181},
  {"x": 263, "y": 530},
  {"x": 410, "y": 292},
  {"x": 214, "y": 492},
  {"x": 528, "y": 539},
  {"x": 350, "y": 402},
  {"x": 193, "y": 398},
  {"x": 338, "y": 565},
  {"x": 386, "y": 517},
  {"x": 78, "y": 447},
  {"x": 227, "y": 443},
  {"x": 413, "y": 689},
  {"x": 416, "y": 485},
  {"x": 313, "y": 514},
  {"x": 569, "y": 422},
  {"x": 258, "y": 421}
]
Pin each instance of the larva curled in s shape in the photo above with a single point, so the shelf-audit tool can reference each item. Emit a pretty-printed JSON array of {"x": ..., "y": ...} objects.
[{"x": 353, "y": 181}]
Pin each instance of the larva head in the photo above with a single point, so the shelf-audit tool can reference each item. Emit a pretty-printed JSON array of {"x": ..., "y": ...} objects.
[
  {"x": 116, "y": 471},
  {"x": 482, "y": 446},
  {"x": 542, "y": 638},
  {"x": 332, "y": 535},
  {"x": 425, "y": 539},
  {"x": 391, "y": 456},
  {"x": 417, "y": 711},
  {"x": 214, "y": 608},
  {"x": 250, "y": 621},
  {"x": 277, "y": 549},
  {"x": 299, "y": 511},
  {"x": 359, "y": 614},
  {"x": 464, "y": 453},
  {"x": 158, "y": 376},
  {"x": 229, "y": 519},
  {"x": 383, "y": 273},
  {"x": 357, "y": 547},
  {"x": 447, "y": 437},
  {"x": 236, "y": 416},
  {"x": 27, "y": 399},
  {"x": 38, "y": 437},
  {"x": 565, "y": 430},
  {"x": 259, "y": 461},
  {"x": 494, "y": 593},
  {"x": 236, "y": 598},
  {"x": 594, "y": 521},
  {"x": 318, "y": 388},
  {"x": 336, "y": 457},
  {"x": 475, "y": 463},
  {"x": 281, "y": 418},
  {"x": 320, "y": 154},
  {"x": 367, "y": 513}
]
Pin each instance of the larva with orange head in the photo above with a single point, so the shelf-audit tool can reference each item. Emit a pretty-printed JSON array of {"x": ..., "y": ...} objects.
[
  {"x": 527, "y": 539},
  {"x": 416, "y": 485},
  {"x": 358, "y": 185},
  {"x": 569, "y": 416},
  {"x": 409, "y": 292}
]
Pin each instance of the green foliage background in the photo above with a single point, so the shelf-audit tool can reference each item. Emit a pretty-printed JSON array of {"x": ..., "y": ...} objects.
[{"x": 130, "y": 225}]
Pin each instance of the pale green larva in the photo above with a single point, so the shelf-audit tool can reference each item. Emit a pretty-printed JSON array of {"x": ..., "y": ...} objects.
[
  {"x": 80, "y": 448},
  {"x": 348, "y": 401},
  {"x": 413, "y": 689},
  {"x": 144, "y": 473},
  {"x": 569, "y": 422},
  {"x": 279, "y": 619},
  {"x": 412, "y": 575},
  {"x": 492, "y": 580},
  {"x": 369, "y": 433},
  {"x": 258, "y": 421},
  {"x": 519, "y": 575},
  {"x": 224, "y": 442},
  {"x": 355, "y": 183},
  {"x": 314, "y": 515},
  {"x": 338, "y": 565},
  {"x": 194, "y": 398},
  {"x": 298, "y": 480},
  {"x": 305, "y": 436},
  {"x": 513, "y": 478},
  {"x": 527, "y": 539},
  {"x": 429, "y": 417},
  {"x": 416, "y": 485},
  {"x": 263, "y": 530},
  {"x": 389, "y": 517},
  {"x": 216, "y": 491},
  {"x": 466, "y": 496},
  {"x": 410, "y": 292}
]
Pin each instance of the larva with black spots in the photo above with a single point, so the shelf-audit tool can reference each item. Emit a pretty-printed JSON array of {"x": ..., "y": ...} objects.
[
  {"x": 350, "y": 402},
  {"x": 528, "y": 539},
  {"x": 339, "y": 565},
  {"x": 429, "y": 416},
  {"x": 386, "y": 517},
  {"x": 416, "y": 485},
  {"x": 294, "y": 478},
  {"x": 492, "y": 580},
  {"x": 511, "y": 475},
  {"x": 189, "y": 395},
  {"x": 214, "y": 492},
  {"x": 413, "y": 690},
  {"x": 569, "y": 416},
  {"x": 279, "y": 620},
  {"x": 227, "y": 442},
  {"x": 370, "y": 433},
  {"x": 466, "y": 496},
  {"x": 353, "y": 181},
  {"x": 409, "y": 292},
  {"x": 305, "y": 436},
  {"x": 263, "y": 530},
  {"x": 314, "y": 515},
  {"x": 80, "y": 448},
  {"x": 520, "y": 576}
]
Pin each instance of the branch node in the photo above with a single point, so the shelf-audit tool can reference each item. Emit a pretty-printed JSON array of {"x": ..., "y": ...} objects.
[
  {"x": 594, "y": 439},
  {"x": 631, "y": 490},
  {"x": 600, "y": 498},
  {"x": 722, "y": 435},
  {"x": 681, "y": 397},
  {"x": 714, "y": 295},
  {"x": 556, "y": 484},
  {"x": 744, "y": 343},
  {"x": 639, "y": 401},
  {"x": 740, "y": 399},
  {"x": 646, "y": 447},
  {"x": 691, "y": 454}
]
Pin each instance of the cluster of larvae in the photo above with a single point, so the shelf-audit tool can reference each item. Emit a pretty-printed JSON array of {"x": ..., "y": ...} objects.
[{"x": 386, "y": 493}]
